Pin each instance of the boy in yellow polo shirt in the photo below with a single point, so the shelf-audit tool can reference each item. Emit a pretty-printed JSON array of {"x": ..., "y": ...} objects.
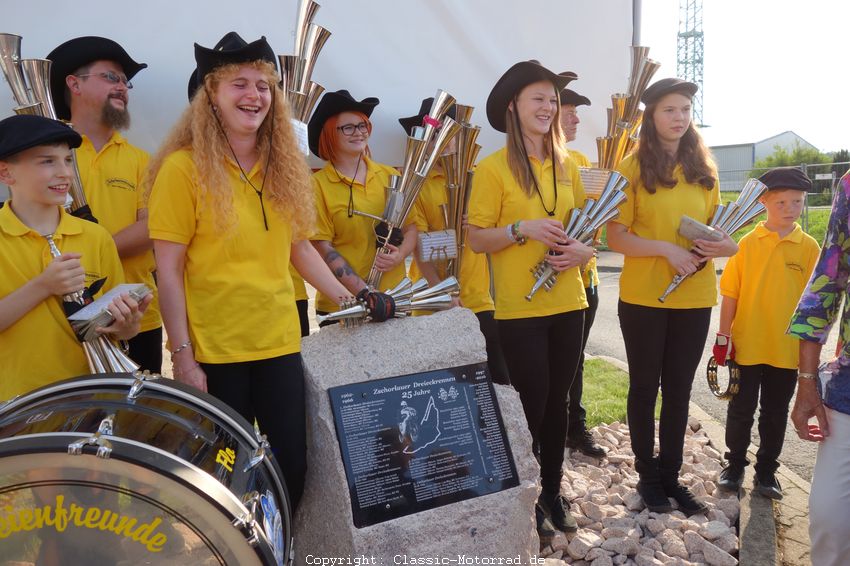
[
  {"x": 761, "y": 285},
  {"x": 37, "y": 345}
]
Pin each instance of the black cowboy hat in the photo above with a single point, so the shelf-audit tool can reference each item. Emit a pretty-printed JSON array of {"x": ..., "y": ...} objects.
[
  {"x": 664, "y": 87},
  {"x": 514, "y": 80},
  {"x": 331, "y": 104},
  {"x": 573, "y": 98},
  {"x": 786, "y": 178},
  {"x": 230, "y": 49},
  {"x": 412, "y": 121},
  {"x": 26, "y": 131},
  {"x": 81, "y": 51}
]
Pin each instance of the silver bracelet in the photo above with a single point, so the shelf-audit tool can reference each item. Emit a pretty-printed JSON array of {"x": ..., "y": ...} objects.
[
  {"x": 181, "y": 347},
  {"x": 510, "y": 233}
]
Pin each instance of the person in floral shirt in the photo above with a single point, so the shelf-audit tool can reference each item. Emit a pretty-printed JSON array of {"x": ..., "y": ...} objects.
[{"x": 826, "y": 397}]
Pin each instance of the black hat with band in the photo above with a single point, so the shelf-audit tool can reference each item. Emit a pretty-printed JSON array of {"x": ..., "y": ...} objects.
[
  {"x": 331, "y": 104},
  {"x": 514, "y": 80},
  {"x": 230, "y": 49},
  {"x": 663, "y": 87},
  {"x": 412, "y": 121},
  {"x": 573, "y": 98},
  {"x": 81, "y": 51}
]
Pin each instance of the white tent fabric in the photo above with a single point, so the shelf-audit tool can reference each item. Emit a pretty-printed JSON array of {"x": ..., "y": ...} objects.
[{"x": 398, "y": 50}]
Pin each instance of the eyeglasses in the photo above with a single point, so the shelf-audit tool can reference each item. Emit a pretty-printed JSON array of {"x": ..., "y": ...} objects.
[
  {"x": 348, "y": 129},
  {"x": 110, "y": 77}
]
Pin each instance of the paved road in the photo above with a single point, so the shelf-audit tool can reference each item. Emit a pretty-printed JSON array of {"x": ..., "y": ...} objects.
[{"x": 606, "y": 339}]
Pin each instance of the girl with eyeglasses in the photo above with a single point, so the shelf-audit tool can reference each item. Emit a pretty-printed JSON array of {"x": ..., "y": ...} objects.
[
  {"x": 351, "y": 182},
  {"x": 521, "y": 197}
]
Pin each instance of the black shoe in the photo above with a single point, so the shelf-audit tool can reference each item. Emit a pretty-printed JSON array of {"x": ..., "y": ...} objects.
[
  {"x": 584, "y": 443},
  {"x": 688, "y": 503},
  {"x": 653, "y": 496},
  {"x": 768, "y": 486},
  {"x": 731, "y": 478},
  {"x": 545, "y": 528},
  {"x": 558, "y": 510}
]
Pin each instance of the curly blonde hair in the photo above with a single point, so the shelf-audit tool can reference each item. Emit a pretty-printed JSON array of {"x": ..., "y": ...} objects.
[{"x": 287, "y": 186}]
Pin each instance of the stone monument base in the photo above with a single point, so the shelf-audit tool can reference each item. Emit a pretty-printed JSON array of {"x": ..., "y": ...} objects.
[{"x": 500, "y": 525}]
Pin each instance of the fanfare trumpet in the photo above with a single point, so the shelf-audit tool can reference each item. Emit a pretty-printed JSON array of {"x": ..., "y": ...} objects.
[
  {"x": 624, "y": 116},
  {"x": 297, "y": 70},
  {"x": 29, "y": 80},
  {"x": 102, "y": 355},
  {"x": 728, "y": 218},
  {"x": 582, "y": 226},
  {"x": 424, "y": 146},
  {"x": 458, "y": 168},
  {"x": 408, "y": 297}
]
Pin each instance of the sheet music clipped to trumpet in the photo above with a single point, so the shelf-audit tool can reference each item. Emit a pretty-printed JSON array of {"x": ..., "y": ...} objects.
[{"x": 437, "y": 245}]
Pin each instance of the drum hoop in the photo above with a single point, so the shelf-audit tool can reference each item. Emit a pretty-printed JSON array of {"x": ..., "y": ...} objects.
[
  {"x": 198, "y": 481},
  {"x": 734, "y": 384},
  {"x": 194, "y": 397}
]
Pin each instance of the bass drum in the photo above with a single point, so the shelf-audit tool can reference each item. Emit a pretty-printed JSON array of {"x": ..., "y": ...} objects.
[{"x": 123, "y": 470}]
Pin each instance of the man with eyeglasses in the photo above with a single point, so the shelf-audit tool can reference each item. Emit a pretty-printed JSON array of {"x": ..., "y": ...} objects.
[
  {"x": 578, "y": 437},
  {"x": 90, "y": 84}
]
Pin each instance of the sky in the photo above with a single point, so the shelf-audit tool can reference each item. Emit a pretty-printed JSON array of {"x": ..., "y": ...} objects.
[{"x": 769, "y": 66}]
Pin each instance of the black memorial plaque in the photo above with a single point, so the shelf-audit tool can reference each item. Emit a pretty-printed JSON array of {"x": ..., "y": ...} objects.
[{"x": 420, "y": 441}]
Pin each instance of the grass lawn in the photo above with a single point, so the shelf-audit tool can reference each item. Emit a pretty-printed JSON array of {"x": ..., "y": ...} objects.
[{"x": 604, "y": 394}]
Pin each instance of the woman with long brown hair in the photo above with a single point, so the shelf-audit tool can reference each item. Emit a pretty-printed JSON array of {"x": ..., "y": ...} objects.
[
  {"x": 521, "y": 198},
  {"x": 671, "y": 174},
  {"x": 230, "y": 204}
]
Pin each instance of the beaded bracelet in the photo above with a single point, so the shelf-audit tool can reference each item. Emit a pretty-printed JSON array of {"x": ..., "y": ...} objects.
[
  {"x": 181, "y": 347},
  {"x": 516, "y": 234}
]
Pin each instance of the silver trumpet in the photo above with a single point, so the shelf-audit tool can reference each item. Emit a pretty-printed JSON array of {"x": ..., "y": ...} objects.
[
  {"x": 728, "y": 218},
  {"x": 625, "y": 116},
  {"x": 582, "y": 226},
  {"x": 296, "y": 70},
  {"x": 102, "y": 355},
  {"x": 408, "y": 297},
  {"x": 424, "y": 146},
  {"x": 29, "y": 81},
  {"x": 458, "y": 168}
]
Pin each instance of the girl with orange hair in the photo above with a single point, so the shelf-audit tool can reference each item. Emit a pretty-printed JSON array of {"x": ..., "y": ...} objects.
[{"x": 351, "y": 182}]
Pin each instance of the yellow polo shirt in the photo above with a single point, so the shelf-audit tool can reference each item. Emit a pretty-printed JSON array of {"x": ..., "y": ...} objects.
[
  {"x": 353, "y": 238},
  {"x": 589, "y": 275},
  {"x": 239, "y": 297},
  {"x": 656, "y": 217},
  {"x": 497, "y": 200},
  {"x": 474, "y": 275},
  {"x": 767, "y": 277},
  {"x": 112, "y": 181},
  {"x": 40, "y": 348}
]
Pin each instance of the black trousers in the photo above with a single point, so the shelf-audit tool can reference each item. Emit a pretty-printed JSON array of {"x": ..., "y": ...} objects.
[
  {"x": 663, "y": 348},
  {"x": 146, "y": 350},
  {"x": 542, "y": 355},
  {"x": 272, "y": 392},
  {"x": 771, "y": 388},
  {"x": 577, "y": 413},
  {"x": 495, "y": 357},
  {"x": 303, "y": 317}
]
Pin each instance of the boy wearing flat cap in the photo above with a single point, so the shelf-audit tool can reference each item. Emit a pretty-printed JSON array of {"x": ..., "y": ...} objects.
[
  {"x": 761, "y": 285},
  {"x": 37, "y": 345},
  {"x": 91, "y": 80}
]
